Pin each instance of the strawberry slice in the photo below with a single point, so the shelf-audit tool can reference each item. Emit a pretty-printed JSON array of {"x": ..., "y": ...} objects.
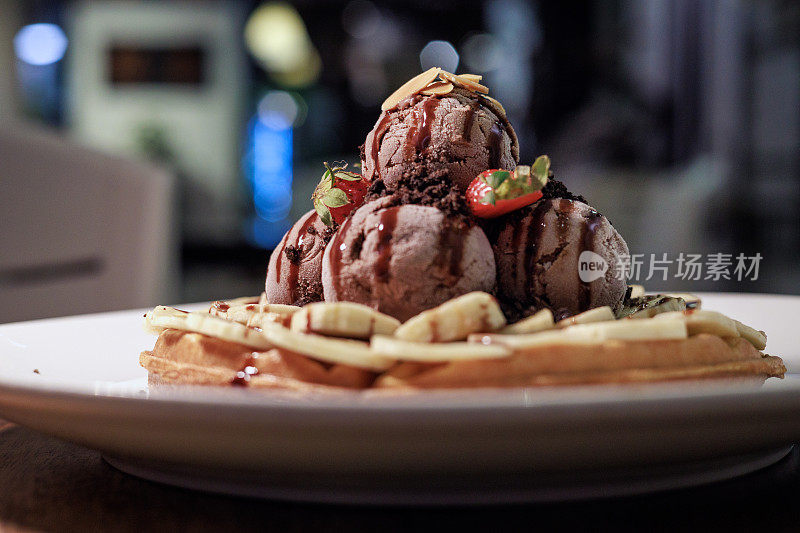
[
  {"x": 338, "y": 193},
  {"x": 495, "y": 192}
]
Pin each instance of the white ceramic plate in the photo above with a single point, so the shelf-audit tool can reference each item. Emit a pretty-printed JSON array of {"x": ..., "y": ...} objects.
[{"x": 78, "y": 378}]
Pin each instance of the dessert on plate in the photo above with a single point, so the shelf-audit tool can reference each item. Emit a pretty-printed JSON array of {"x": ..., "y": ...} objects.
[{"x": 445, "y": 263}]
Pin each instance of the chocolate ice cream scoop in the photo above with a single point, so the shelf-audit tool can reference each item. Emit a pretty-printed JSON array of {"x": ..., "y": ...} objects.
[
  {"x": 462, "y": 132},
  {"x": 404, "y": 259},
  {"x": 295, "y": 267},
  {"x": 553, "y": 254}
]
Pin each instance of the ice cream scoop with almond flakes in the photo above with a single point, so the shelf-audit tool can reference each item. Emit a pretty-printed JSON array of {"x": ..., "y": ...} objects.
[{"x": 453, "y": 127}]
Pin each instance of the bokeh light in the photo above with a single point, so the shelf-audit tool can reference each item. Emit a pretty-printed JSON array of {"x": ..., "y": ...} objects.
[
  {"x": 439, "y": 54},
  {"x": 482, "y": 53},
  {"x": 361, "y": 19},
  {"x": 277, "y": 37},
  {"x": 40, "y": 44},
  {"x": 281, "y": 110}
]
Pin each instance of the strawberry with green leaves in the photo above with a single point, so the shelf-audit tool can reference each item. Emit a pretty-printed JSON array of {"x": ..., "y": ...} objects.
[
  {"x": 497, "y": 192},
  {"x": 338, "y": 193}
]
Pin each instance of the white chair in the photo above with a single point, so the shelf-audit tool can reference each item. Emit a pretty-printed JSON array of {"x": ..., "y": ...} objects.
[{"x": 81, "y": 231}]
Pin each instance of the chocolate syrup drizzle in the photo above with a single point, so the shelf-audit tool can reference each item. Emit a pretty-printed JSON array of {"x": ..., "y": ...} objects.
[
  {"x": 533, "y": 237},
  {"x": 451, "y": 252},
  {"x": 495, "y": 140},
  {"x": 419, "y": 134},
  {"x": 588, "y": 239},
  {"x": 380, "y": 131},
  {"x": 385, "y": 227},
  {"x": 425, "y": 117},
  {"x": 470, "y": 119},
  {"x": 534, "y": 234},
  {"x": 294, "y": 266},
  {"x": 335, "y": 257}
]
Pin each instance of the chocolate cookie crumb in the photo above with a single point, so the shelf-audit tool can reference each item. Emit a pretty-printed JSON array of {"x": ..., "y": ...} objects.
[
  {"x": 421, "y": 185},
  {"x": 293, "y": 254},
  {"x": 556, "y": 189},
  {"x": 308, "y": 292}
]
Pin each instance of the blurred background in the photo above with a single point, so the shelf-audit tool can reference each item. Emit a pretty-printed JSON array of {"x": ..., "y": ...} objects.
[{"x": 155, "y": 152}]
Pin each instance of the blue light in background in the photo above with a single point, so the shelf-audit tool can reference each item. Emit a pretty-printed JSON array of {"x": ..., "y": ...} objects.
[
  {"x": 269, "y": 170},
  {"x": 40, "y": 44}
]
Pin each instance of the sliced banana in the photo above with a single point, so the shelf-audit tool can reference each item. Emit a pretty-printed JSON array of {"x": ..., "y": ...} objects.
[
  {"x": 163, "y": 317},
  {"x": 220, "y": 306},
  {"x": 702, "y": 321},
  {"x": 256, "y": 314},
  {"x": 336, "y": 351},
  {"x": 637, "y": 291},
  {"x": 454, "y": 319},
  {"x": 590, "y": 333},
  {"x": 650, "y": 306},
  {"x": 598, "y": 314},
  {"x": 540, "y": 321},
  {"x": 434, "y": 353},
  {"x": 343, "y": 319},
  {"x": 755, "y": 337}
]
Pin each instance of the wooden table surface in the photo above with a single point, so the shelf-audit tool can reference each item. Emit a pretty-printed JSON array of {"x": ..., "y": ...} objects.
[{"x": 50, "y": 485}]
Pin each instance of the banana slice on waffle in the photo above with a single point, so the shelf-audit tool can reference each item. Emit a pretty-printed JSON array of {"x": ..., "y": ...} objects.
[
  {"x": 454, "y": 320},
  {"x": 270, "y": 335},
  {"x": 424, "y": 352},
  {"x": 163, "y": 317},
  {"x": 220, "y": 306},
  {"x": 705, "y": 321},
  {"x": 343, "y": 319},
  {"x": 590, "y": 333},
  {"x": 256, "y": 314},
  {"x": 540, "y": 321},
  {"x": 755, "y": 337},
  {"x": 341, "y": 351},
  {"x": 598, "y": 314}
]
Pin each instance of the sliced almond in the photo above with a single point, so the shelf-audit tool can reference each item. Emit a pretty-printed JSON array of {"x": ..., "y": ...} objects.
[
  {"x": 496, "y": 103},
  {"x": 411, "y": 87},
  {"x": 541, "y": 321},
  {"x": 424, "y": 352},
  {"x": 437, "y": 88},
  {"x": 464, "y": 82},
  {"x": 471, "y": 77}
]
